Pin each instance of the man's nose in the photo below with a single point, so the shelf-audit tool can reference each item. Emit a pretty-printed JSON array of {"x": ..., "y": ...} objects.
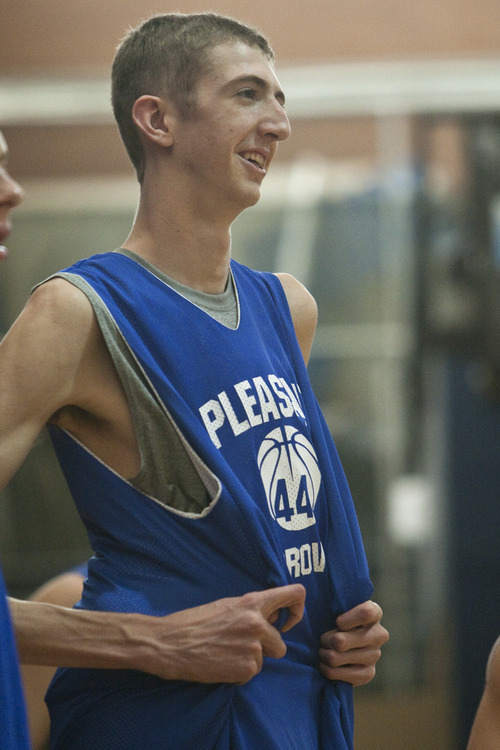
[
  {"x": 11, "y": 193},
  {"x": 277, "y": 122}
]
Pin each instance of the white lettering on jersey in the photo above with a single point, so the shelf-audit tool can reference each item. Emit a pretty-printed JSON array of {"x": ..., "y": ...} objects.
[
  {"x": 258, "y": 400},
  {"x": 248, "y": 401},
  {"x": 286, "y": 406},
  {"x": 237, "y": 426},
  {"x": 213, "y": 417},
  {"x": 268, "y": 406},
  {"x": 304, "y": 560}
]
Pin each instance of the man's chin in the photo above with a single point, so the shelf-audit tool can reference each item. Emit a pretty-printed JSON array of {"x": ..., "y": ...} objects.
[
  {"x": 253, "y": 196},
  {"x": 3, "y": 252}
]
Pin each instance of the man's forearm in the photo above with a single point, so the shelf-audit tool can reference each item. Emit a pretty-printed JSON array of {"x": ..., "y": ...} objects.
[
  {"x": 50, "y": 635},
  {"x": 222, "y": 641}
]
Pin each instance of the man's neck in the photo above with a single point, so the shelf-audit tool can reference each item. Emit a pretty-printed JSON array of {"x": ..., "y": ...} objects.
[{"x": 192, "y": 251}]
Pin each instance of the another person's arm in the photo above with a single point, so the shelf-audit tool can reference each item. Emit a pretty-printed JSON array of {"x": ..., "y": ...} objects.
[
  {"x": 64, "y": 590},
  {"x": 485, "y": 734}
]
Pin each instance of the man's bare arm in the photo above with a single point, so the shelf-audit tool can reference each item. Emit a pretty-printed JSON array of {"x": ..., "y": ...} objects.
[
  {"x": 224, "y": 641},
  {"x": 54, "y": 366},
  {"x": 304, "y": 312},
  {"x": 39, "y": 361}
]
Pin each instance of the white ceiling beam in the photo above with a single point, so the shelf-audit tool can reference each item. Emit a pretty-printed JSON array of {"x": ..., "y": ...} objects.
[{"x": 313, "y": 91}]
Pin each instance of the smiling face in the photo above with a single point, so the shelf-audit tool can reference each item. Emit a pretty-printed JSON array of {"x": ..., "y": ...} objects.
[
  {"x": 10, "y": 195},
  {"x": 225, "y": 148}
]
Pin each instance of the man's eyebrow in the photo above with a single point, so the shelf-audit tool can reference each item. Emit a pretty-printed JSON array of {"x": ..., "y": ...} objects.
[{"x": 261, "y": 83}]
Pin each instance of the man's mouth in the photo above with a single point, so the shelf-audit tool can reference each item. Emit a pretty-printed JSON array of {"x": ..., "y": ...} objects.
[
  {"x": 4, "y": 233},
  {"x": 255, "y": 158},
  {"x": 4, "y": 230}
]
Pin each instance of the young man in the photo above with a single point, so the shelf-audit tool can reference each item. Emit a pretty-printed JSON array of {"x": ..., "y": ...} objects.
[
  {"x": 223, "y": 640},
  {"x": 174, "y": 385},
  {"x": 237, "y": 630}
]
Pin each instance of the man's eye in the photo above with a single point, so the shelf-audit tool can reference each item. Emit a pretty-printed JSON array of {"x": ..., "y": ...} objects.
[{"x": 247, "y": 93}]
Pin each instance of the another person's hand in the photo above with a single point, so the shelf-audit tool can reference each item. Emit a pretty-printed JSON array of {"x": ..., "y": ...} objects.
[{"x": 351, "y": 651}]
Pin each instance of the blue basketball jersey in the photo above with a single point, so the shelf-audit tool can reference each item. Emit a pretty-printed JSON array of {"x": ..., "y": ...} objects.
[{"x": 278, "y": 510}]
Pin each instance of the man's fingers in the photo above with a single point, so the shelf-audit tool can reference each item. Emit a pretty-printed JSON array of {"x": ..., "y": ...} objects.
[
  {"x": 355, "y": 675},
  {"x": 272, "y": 643},
  {"x": 357, "y": 666},
  {"x": 364, "y": 614},
  {"x": 359, "y": 656},
  {"x": 372, "y": 636},
  {"x": 291, "y": 598}
]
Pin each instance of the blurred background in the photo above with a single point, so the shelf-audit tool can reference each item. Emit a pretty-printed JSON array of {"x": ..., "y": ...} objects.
[{"x": 386, "y": 204}]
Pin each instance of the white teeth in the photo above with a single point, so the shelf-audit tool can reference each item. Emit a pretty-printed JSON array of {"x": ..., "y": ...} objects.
[{"x": 255, "y": 157}]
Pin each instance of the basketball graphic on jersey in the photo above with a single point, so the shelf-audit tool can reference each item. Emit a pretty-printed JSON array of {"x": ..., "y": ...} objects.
[{"x": 291, "y": 477}]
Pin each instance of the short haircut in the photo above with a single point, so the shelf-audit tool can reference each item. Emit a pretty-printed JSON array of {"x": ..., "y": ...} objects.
[{"x": 166, "y": 56}]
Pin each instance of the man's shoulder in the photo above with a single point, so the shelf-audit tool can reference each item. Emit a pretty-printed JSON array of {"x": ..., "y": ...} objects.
[
  {"x": 55, "y": 296},
  {"x": 300, "y": 300},
  {"x": 58, "y": 314},
  {"x": 303, "y": 310}
]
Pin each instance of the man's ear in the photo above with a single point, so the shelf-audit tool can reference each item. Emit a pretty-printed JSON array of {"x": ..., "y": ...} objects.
[{"x": 152, "y": 116}]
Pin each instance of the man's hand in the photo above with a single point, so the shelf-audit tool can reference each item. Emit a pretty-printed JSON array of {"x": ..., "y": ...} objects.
[
  {"x": 226, "y": 640},
  {"x": 223, "y": 641},
  {"x": 351, "y": 650}
]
